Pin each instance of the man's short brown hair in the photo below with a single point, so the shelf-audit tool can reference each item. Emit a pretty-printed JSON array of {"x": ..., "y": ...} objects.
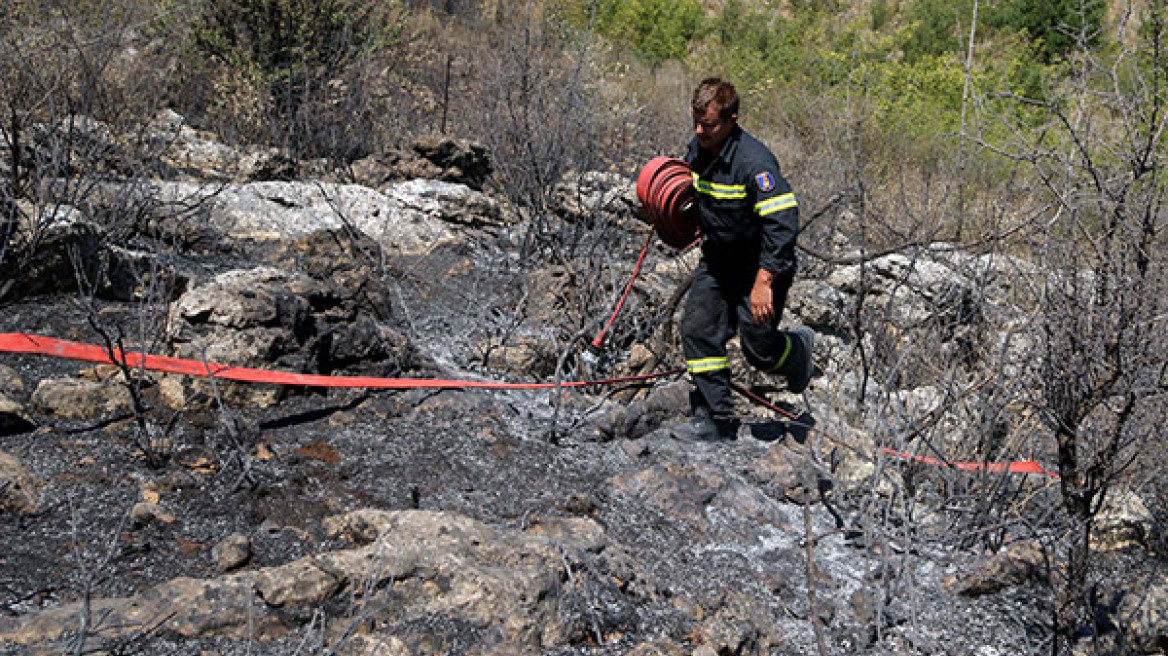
[{"x": 716, "y": 91}]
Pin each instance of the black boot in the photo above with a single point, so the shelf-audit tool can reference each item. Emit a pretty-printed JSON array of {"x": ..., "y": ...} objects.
[
  {"x": 706, "y": 427},
  {"x": 799, "y": 367}
]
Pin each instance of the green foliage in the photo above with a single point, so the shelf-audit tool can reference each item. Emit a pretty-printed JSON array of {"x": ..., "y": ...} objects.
[
  {"x": 284, "y": 38},
  {"x": 933, "y": 27},
  {"x": 657, "y": 29},
  {"x": 1058, "y": 27},
  {"x": 762, "y": 51},
  {"x": 903, "y": 58},
  {"x": 283, "y": 71},
  {"x": 1055, "y": 27},
  {"x": 881, "y": 13},
  {"x": 925, "y": 95},
  {"x": 1153, "y": 29}
]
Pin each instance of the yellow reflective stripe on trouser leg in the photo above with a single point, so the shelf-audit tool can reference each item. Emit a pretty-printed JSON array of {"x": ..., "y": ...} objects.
[
  {"x": 782, "y": 358},
  {"x": 706, "y": 365}
]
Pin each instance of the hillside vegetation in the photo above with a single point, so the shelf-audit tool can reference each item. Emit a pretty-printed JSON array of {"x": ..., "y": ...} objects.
[
  {"x": 1017, "y": 135},
  {"x": 908, "y": 101}
]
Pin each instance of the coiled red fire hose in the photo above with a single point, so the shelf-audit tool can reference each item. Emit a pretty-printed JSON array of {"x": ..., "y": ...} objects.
[{"x": 665, "y": 189}]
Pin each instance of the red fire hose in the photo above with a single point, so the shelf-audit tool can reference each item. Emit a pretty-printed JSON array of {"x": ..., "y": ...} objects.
[{"x": 665, "y": 189}]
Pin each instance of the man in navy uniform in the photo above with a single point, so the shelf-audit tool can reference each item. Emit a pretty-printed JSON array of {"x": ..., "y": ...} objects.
[{"x": 749, "y": 221}]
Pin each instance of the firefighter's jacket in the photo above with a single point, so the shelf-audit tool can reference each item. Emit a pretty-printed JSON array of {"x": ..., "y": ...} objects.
[{"x": 748, "y": 215}]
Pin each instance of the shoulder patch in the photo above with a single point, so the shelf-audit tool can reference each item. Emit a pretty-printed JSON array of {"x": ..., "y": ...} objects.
[{"x": 766, "y": 181}]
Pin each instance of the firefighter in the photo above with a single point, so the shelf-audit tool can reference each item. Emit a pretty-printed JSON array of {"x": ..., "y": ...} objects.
[{"x": 749, "y": 221}]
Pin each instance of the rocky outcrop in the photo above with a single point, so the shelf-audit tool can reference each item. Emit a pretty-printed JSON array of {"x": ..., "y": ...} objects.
[
  {"x": 232, "y": 553},
  {"x": 455, "y": 160},
  {"x": 914, "y": 291},
  {"x": 76, "y": 398},
  {"x": 50, "y": 247},
  {"x": 432, "y": 157},
  {"x": 11, "y": 383},
  {"x": 411, "y": 566},
  {"x": 19, "y": 488},
  {"x": 270, "y": 318},
  {"x": 405, "y": 217},
  {"x": 596, "y": 199},
  {"x": 642, "y": 416},
  {"x": 1019, "y": 564},
  {"x": 60, "y": 249},
  {"x": 1123, "y": 521},
  {"x": 13, "y": 417},
  {"x": 196, "y": 154}
]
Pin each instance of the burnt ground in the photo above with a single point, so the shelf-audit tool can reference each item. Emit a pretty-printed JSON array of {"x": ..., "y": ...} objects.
[{"x": 506, "y": 458}]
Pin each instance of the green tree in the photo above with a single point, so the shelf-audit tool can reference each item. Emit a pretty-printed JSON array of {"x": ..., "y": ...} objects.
[{"x": 1056, "y": 26}]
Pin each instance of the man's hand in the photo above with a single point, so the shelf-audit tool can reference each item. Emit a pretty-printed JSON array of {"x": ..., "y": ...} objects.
[{"x": 762, "y": 299}]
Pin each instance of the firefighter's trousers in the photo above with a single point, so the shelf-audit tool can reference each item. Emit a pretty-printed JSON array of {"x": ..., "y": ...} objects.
[{"x": 718, "y": 305}]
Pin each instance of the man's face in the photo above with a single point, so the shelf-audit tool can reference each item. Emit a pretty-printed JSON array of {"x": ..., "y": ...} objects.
[{"x": 711, "y": 129}]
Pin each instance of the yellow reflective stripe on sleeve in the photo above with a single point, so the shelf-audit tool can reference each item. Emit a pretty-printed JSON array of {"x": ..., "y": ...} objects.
[
  {"x": 706, "y": 365},
  {"x": 719, "y": 191},
  {"x": 776, "y": 204}
]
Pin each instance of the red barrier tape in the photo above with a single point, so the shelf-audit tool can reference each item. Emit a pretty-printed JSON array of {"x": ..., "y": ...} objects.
[
  {"x": 1018, "y": 467},
  {"x": 60, "y": 348},
  {"x": 40, "y": 345}
]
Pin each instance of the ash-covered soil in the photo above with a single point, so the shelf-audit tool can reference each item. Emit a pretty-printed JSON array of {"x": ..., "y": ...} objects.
[{"x": 705, "y": 545}]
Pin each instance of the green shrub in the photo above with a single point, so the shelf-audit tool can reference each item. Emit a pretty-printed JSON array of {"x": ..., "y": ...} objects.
[
  {"x": 287, "y": 61},
  {"x": 762, "y": 51},
  {"x": 284, "y": 38},
  {"x": 881, "y": 15},
  {"x": 656, "y": 29},
  {"x": 1055, "y": 26},
  {"x": 932, "y": 28}
]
